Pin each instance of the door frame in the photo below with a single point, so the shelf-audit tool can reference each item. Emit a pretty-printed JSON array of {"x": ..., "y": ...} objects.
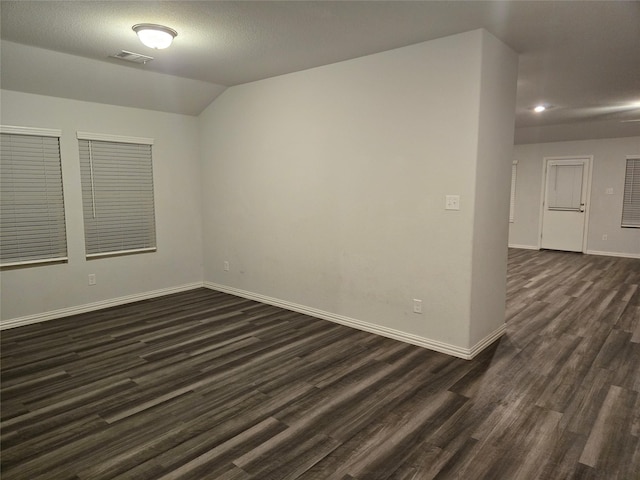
[{"x": 545, "y": 161}]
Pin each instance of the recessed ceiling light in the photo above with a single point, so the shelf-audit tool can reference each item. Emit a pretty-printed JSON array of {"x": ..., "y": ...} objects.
[
  {"x": 539, "y": 108},
  {"x": 155, "y": 36}
]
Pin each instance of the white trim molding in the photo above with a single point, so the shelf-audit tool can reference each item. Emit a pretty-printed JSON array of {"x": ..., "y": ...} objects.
[
  {"x": 524, "y": 247},
  {"x": 613, "y": 254},
  {"x": 105, "y": 137},
  {"x": 41, "y": 132},
  {"x": 89, "y": 307},
  {"x": 588, "y": 252},
  {"x": 454, "y": 350},
  {"x": 486, "y": 341}
]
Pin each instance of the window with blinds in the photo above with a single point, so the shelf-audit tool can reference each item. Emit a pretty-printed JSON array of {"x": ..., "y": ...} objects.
[
  {"x": 117, "y": 194},
  {"x": 631, "y": 198},
  {"x": 512, "y": 201},
  {"x": 32, "y": 220}
]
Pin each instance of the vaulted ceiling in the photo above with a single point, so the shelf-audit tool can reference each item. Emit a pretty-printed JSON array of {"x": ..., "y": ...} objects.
[{"x": 582, "y": 58}]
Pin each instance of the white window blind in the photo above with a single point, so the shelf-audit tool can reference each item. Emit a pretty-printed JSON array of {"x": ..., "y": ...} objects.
[
  {"x": 117, "y": 194},
  {"x": 564, "y": 187},
  {"x": 32, "y": 223},
  {"x": 631, "y": 198},
  {"x": 512, "y": 201}
]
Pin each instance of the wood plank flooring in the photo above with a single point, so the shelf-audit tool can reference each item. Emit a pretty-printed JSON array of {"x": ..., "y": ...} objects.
[{"x": 204, "y": 385}]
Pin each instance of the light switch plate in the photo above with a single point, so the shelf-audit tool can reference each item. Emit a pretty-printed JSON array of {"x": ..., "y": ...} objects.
[{"x": 452, "y": 202}]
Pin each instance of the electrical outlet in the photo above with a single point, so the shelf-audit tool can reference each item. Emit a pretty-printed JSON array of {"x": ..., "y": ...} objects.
[
  {"x": 92, "y": 279},
  {"x": 609, "y": 191},
  {"x": 605, "y": 237},
  {"x": 417, "y": 306},
  {"x": 226, "y": 266}
]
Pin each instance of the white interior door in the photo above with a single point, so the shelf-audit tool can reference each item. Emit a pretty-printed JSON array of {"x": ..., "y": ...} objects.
[{"x": 564, "y": 204}]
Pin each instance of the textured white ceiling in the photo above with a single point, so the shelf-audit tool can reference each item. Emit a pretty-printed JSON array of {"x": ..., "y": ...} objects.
[{"x": 582, "y": 57}]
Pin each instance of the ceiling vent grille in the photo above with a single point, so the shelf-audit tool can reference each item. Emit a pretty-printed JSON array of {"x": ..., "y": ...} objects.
[{"x": 132, "y": 57}]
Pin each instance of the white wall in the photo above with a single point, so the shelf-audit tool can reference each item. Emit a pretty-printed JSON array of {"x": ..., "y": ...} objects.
[
  {"x": 178, "y": 260},
  {"x": 325, "y": 188},
  {"x": 492, "y": 190},
  {"x": 609, "y": 159}
]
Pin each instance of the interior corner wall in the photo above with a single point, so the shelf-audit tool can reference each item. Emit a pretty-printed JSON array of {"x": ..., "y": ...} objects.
[
  {"x": 325, "y": 188},
  {"x": 605, "y": 210},
  {"x": 177, "y": 263},
  {"x": 492, "y": 188}
]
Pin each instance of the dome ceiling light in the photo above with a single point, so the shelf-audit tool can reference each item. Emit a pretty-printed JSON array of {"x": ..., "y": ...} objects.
[{"x": 155, "y": 36}]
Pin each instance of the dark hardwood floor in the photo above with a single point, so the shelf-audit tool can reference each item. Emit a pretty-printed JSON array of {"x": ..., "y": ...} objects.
[{"x": 204, "y": 385}]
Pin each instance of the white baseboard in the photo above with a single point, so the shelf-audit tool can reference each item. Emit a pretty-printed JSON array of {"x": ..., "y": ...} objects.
[
  {"x": 89, "y": 307},
  {"x": 524, "y": 247},
  {"x": 588, "y": 252},
  {"x": 454, "y": 350},
  {"x": 460, "y": 352},
  {"x": 613, "y": 254},
  {"x": 488, "y": 340}
]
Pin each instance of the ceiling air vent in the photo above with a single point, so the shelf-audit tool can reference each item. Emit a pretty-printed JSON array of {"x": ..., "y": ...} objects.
[{"x": 132, "y": 57}]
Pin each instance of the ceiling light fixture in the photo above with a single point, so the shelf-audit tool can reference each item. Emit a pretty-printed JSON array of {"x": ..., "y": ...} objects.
[
  {"x": 539, "y": 108},
  {"x": 155, "y": 36}
]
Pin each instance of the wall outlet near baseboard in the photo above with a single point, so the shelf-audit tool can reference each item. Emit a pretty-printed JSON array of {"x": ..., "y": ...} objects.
[
  {"x": 92, "y": 279},
  {"x": 605, "y": 237},
  {"x": 226, "y": 266},
  {"x": 417, "y": 306}
]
